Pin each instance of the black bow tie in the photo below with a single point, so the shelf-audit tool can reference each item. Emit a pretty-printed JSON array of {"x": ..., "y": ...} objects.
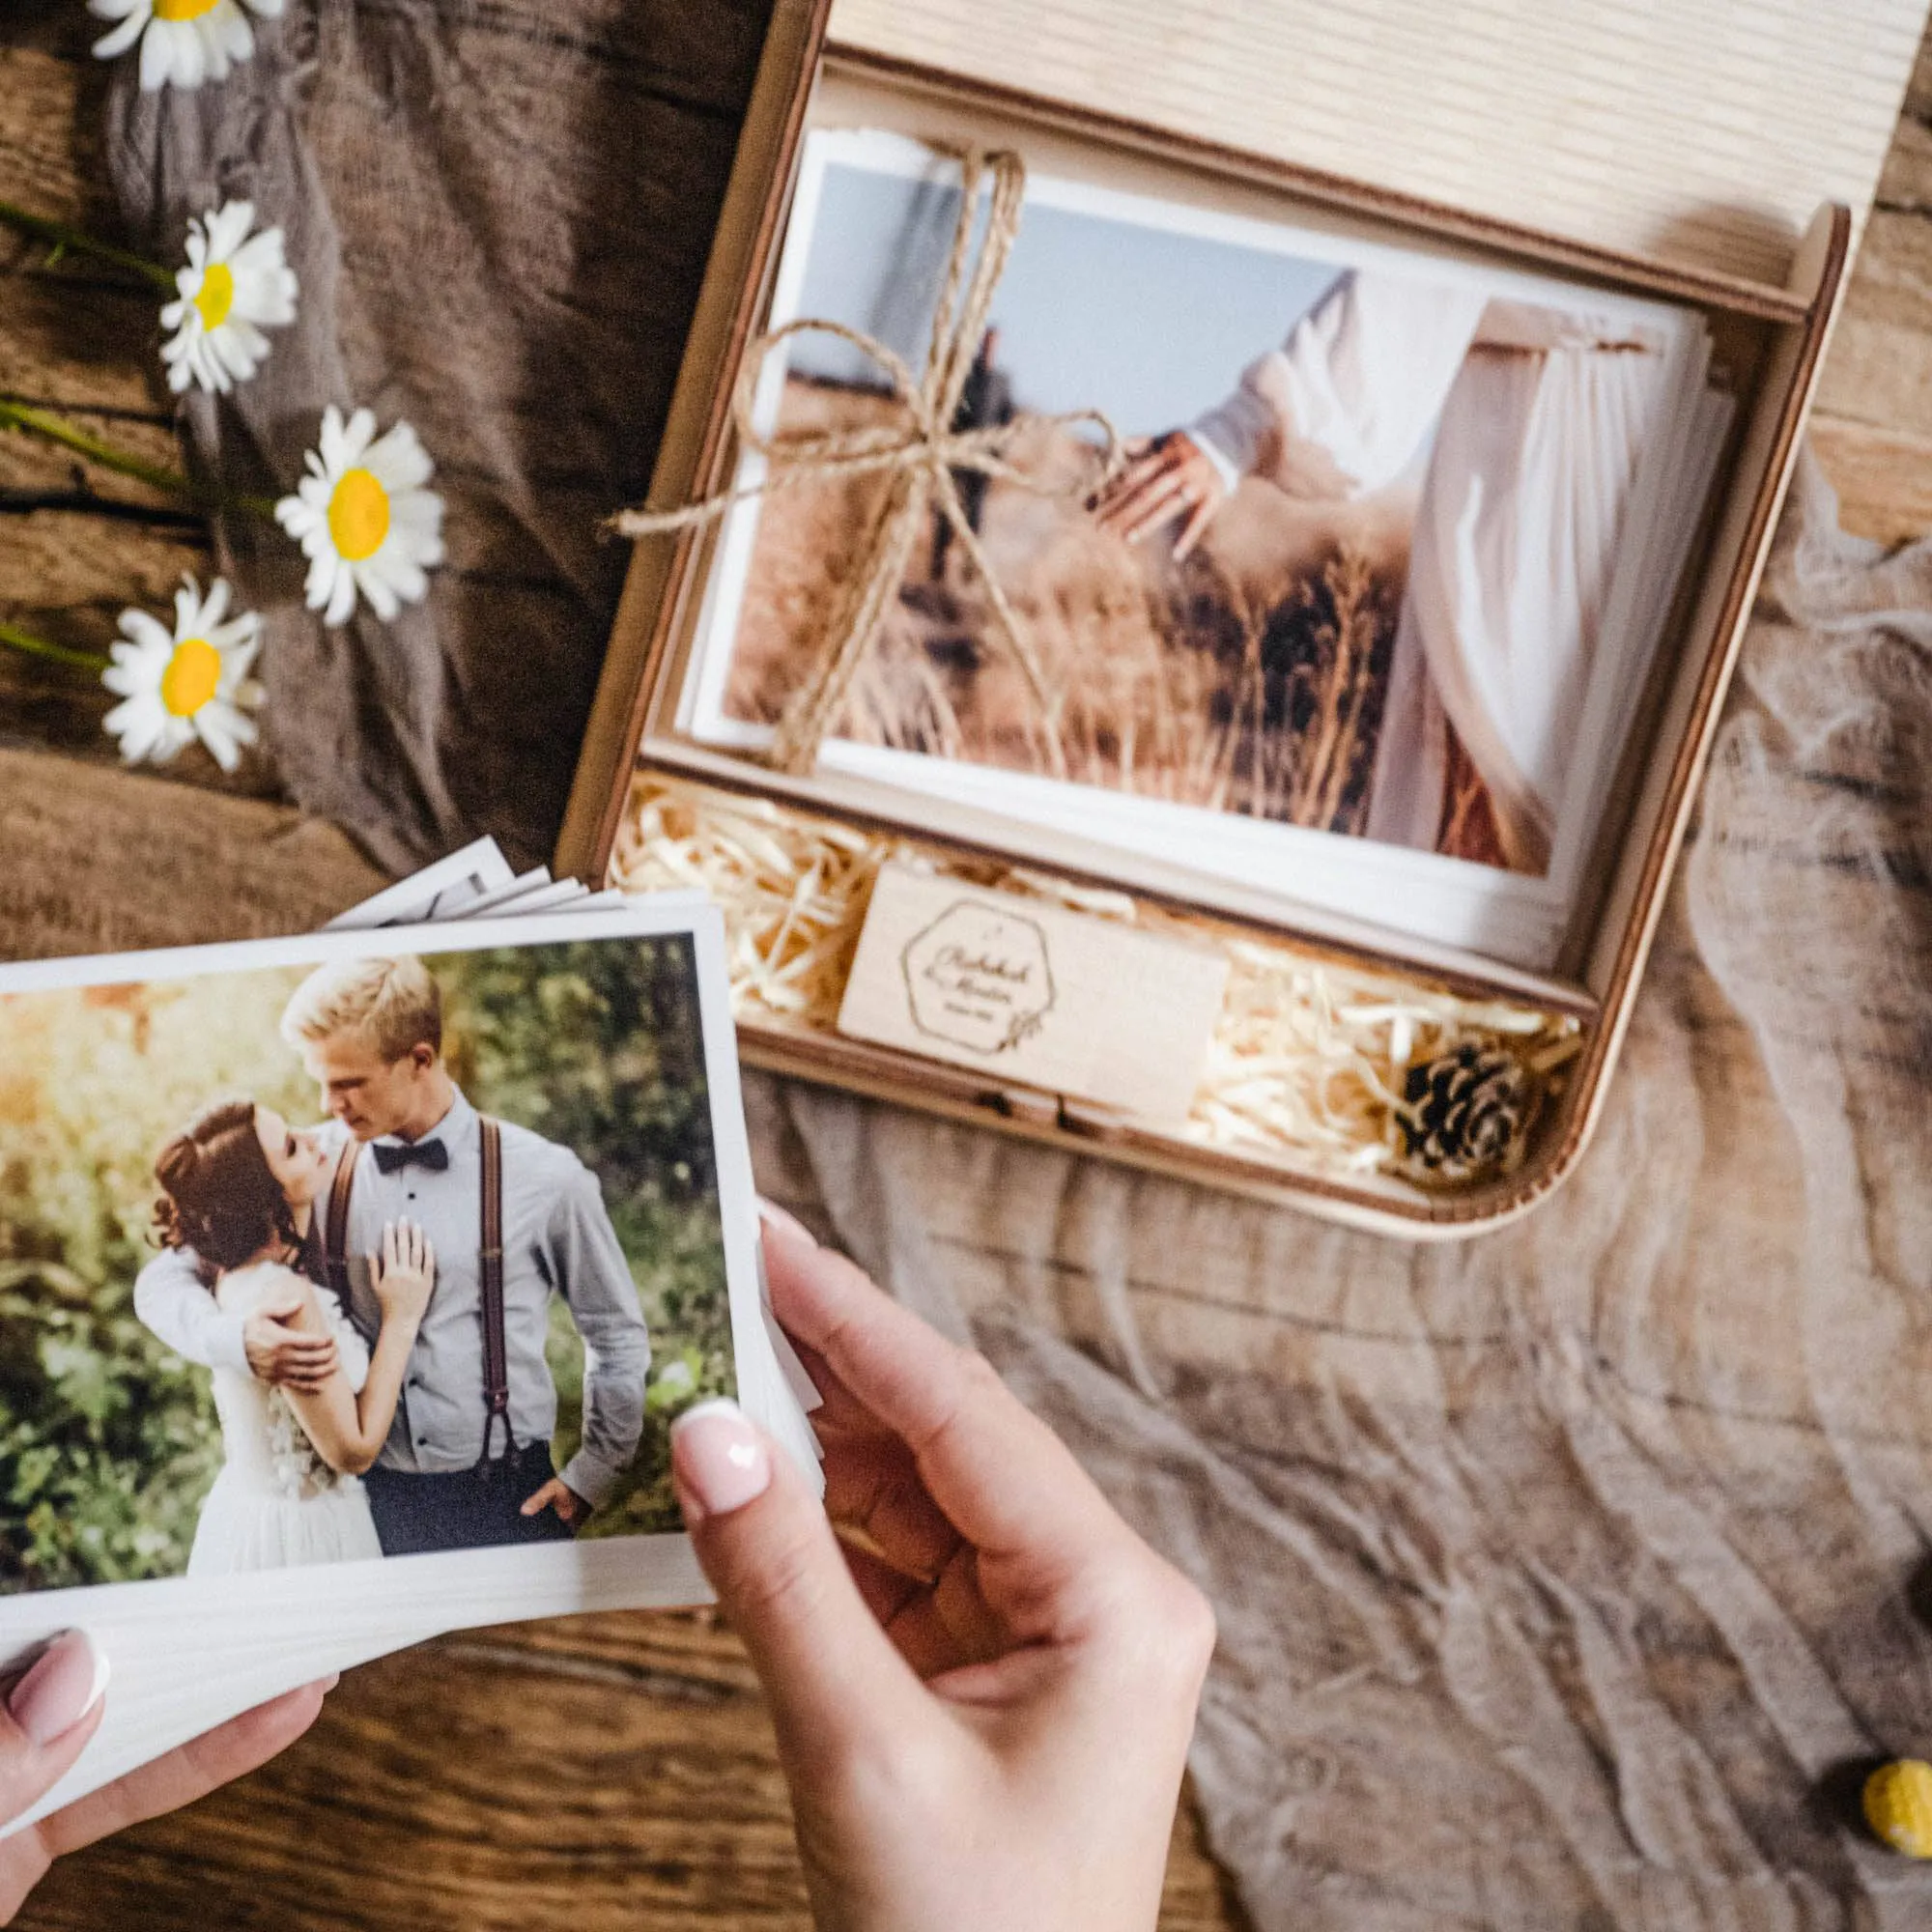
[{"x": 431, "y": 1155}]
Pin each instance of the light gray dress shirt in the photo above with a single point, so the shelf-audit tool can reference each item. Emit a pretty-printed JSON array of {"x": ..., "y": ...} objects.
[{"x": 557, "y": 1239}]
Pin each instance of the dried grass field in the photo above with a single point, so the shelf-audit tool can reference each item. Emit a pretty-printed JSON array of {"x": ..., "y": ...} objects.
[{"x": 1249, "y": 678}]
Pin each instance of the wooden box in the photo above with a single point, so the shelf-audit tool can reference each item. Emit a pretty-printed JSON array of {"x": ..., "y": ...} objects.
[{"x": 1534, "y": 192}]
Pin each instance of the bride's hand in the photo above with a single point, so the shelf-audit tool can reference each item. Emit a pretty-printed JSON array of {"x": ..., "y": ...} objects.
[
  {"x": 1165, "y": 479},
  {"x": 403, "y": 1274}
]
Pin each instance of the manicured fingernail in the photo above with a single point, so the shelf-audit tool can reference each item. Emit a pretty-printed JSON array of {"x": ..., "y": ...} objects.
[
  {"x": 775, "y": 1216},
  {"x": 720, "y": 1461},
  {"x": 65, "y": 1684}
]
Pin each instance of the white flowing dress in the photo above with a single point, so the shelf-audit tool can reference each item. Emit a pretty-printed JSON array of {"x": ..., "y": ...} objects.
[
  {"x": 276, "y": 1504},
  {"x": 1539, "y": 416}
]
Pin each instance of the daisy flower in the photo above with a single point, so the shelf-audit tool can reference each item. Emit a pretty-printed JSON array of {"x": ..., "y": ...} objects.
[
  {"x": 192, "y": 684},
  {"x": 235, "y": 286},
  {"x": 363, "y": 519},
  {"x": 186, "y": 41}
]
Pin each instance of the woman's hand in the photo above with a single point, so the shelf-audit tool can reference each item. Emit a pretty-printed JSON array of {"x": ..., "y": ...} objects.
[
  {"x": 48, "y": 1715},
  {"x": 1165, "y": 477},
  {"x": 402, "y": 1274},
  {"x": 984, "y": 1700}
]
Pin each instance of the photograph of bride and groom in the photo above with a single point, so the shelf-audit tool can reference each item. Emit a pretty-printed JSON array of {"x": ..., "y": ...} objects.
[{"x": 456, "y": 1310}]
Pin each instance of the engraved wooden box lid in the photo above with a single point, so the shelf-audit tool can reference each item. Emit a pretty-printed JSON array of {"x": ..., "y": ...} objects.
[{"x": 1703, "y": 133}]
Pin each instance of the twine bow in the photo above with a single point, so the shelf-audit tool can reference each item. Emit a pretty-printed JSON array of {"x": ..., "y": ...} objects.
[{"x": 921, "y": 452}]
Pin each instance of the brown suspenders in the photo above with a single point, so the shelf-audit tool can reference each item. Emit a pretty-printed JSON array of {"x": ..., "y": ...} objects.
[
  {"x": 490, "y": 1273},
  {"x": 335, "y": 1238},
  {"x": 496, "y": 1351}
]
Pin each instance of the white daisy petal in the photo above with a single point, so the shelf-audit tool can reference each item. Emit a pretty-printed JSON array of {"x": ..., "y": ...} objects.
[
  {"x": 208, "y": 727},
  {"x": 228, "y": 228},
  {"x": 259, "y": 254},
  {"x": 192, "y": 56},
  {"x": 374, "y": 584},
  {"x": 328, "y": 445},
  {"x": 144, "y": 630},
  {"x": 357, "y": 434},
  {"x": 408, "y": 581},
  {"x": 342, "y": 592},
  {"x": 157, "y": 59},
  {"x": 111, "y": 46}
]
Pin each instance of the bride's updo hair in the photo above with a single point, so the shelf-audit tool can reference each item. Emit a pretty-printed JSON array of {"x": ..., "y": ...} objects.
[{"x": 218, "y": 1196}]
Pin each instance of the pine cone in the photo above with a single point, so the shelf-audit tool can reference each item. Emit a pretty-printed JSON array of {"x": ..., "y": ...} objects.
[{"x": 1464, "y": 1112}]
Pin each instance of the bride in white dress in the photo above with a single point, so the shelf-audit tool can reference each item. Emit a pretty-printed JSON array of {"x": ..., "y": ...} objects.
[{"x": 239, "y": 1188}]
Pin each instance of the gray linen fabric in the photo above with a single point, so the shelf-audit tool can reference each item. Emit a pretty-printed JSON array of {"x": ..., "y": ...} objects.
[{"x": 500, "y": 212}]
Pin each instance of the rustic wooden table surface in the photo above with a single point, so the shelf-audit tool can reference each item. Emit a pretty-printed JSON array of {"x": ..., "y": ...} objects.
[{"x": 599, "y": 1771}]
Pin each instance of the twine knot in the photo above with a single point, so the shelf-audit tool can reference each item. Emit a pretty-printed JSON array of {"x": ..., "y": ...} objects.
[{"x": 921, "y": 451}]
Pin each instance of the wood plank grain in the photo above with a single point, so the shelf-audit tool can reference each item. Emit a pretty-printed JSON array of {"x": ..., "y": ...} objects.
[
  {"x": 50, "y": 157},
  {"x": 102, "y": 860},
  {"x": 592, "y": 1774},
  {"x": 1880, "y": 366},
  {"x": 56, "y": 561},
  {"x": 74, "y": 340},
  {"x": 1884, "y": 478},
  {"x": 1877, "y": 369}
]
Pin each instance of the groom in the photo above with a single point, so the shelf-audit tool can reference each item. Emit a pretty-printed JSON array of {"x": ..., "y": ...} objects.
[{"x": 468, "y": 1463}]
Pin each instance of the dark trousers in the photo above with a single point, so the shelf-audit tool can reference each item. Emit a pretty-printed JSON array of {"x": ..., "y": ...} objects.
[{"x": 467, "y": 1509}]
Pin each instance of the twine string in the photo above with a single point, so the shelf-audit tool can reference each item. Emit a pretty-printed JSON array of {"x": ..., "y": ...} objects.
[{"x": 921, "y": 452}]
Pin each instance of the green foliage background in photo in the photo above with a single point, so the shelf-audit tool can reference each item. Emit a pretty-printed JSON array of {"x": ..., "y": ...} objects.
[{"x": 108, "y": 1443}]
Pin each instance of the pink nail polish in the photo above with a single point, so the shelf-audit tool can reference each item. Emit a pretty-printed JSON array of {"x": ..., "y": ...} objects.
[
  {"x": 721, "y": 1461},
  {"x": 63, "y": 1686}
]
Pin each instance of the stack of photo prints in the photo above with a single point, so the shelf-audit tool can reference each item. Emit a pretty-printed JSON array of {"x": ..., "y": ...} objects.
[
  {"x": 349, "y": 1284},
  {"x": 1362, "y": 627}
]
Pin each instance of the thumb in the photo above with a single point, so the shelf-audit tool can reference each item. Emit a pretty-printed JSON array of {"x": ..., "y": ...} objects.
[{"x": 764, "y": 1542}]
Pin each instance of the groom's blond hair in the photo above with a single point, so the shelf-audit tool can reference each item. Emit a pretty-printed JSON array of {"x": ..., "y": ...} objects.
[{"x": 394, "y": 1003}]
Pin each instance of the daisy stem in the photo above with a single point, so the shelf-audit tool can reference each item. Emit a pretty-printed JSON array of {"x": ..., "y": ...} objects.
[
  {"x": 59, "y": 237},
  {"x": 40, "y": 423},
  {"x": 60, "y": 654}
]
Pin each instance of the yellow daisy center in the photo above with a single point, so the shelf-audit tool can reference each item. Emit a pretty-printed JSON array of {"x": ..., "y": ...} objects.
[
  {"x": 217, "y": 295},
  {"x": 192, "y": 677},
  {"x": 359, "y": 516},
  {"x": 183, "y": 10}
]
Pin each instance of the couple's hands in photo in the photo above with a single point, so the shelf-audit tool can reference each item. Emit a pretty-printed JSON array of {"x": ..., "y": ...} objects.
[
  {"x": 403, "y": 1274},
  {"x": 1164, "y": 478},
  {"x": 558, "y": 1494},
  {"x": 47, "y": 1715},
  {"x": 984, "y": 1700},
  {"x": 282, "y": 1356}
]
